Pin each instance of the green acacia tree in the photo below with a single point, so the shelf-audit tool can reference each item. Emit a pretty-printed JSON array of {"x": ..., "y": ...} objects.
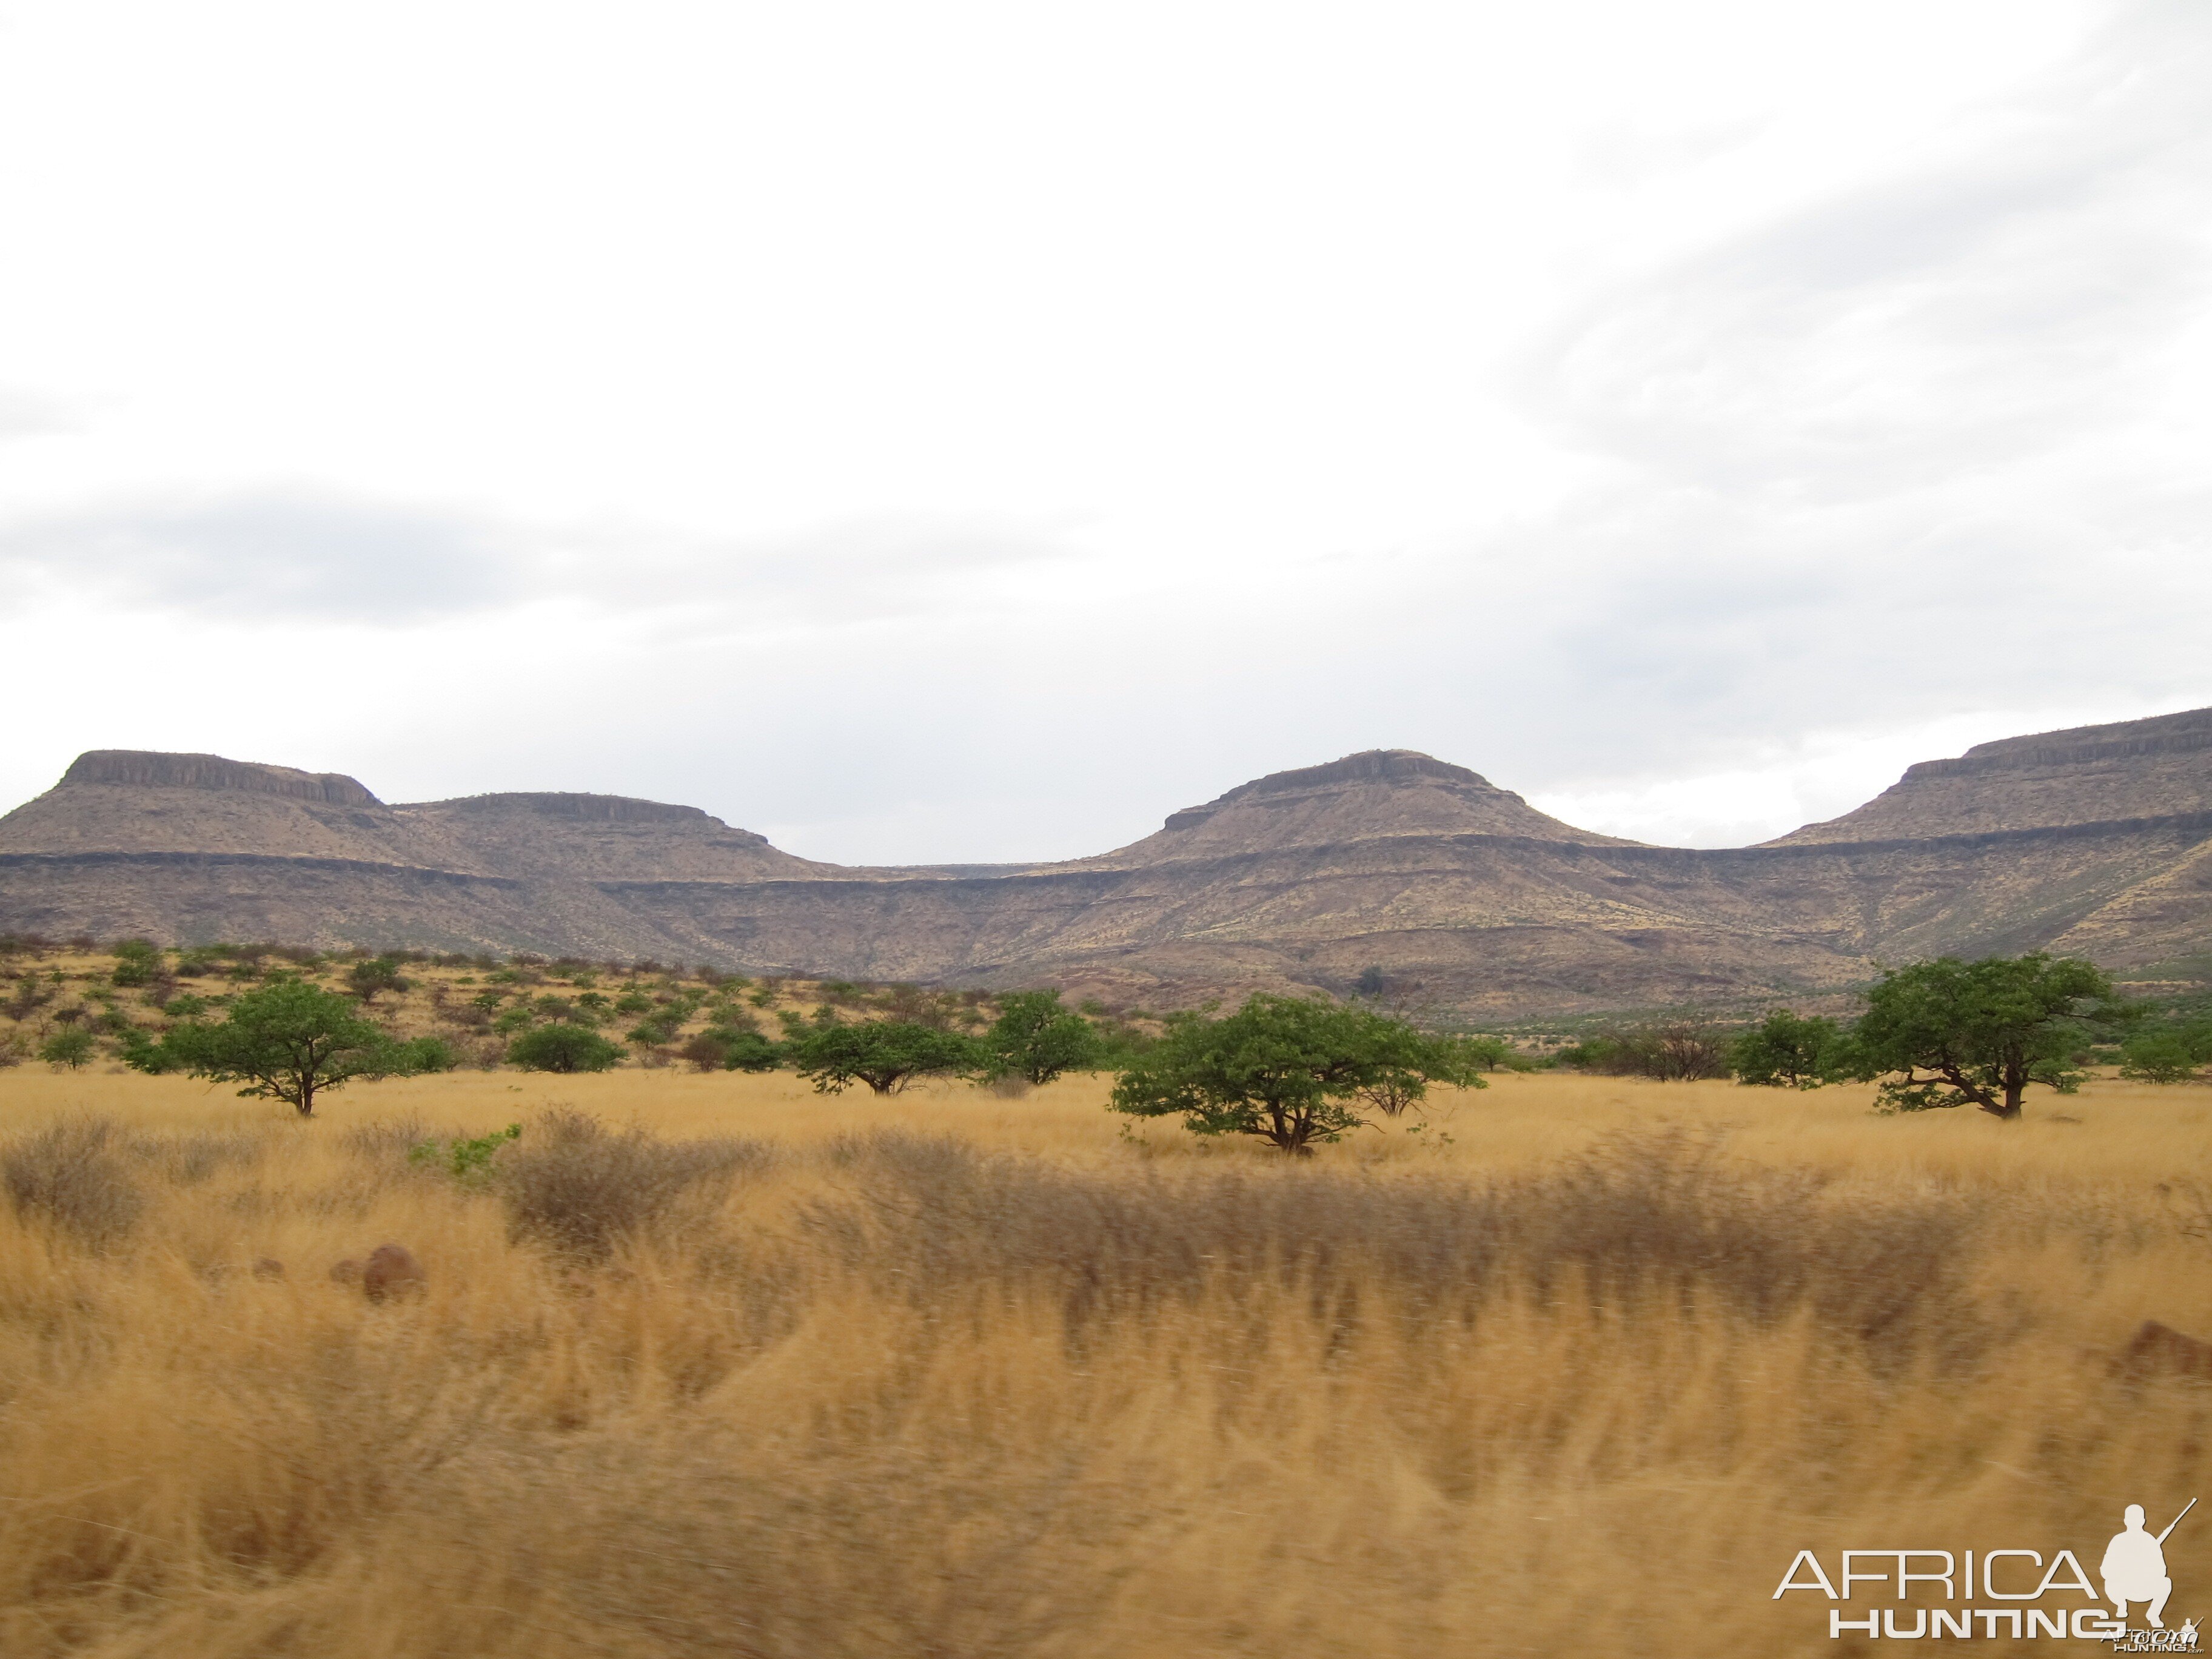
[
  {"x": 69, "y": 1048},
  {"x": 1288, "y": 1070},
  {"x": 743, "y": 1049},
  {"x": 1788, "y": 1051},
  {"x": 2168, "y": 1052},
  {"x": 1036, "y": 1038},
  {"x": 1953, "y": 1033},
  {"x": 886, "y": 1054},
  {"x": 286, "y": 1041},
  {"x": 370, "y": 980}
]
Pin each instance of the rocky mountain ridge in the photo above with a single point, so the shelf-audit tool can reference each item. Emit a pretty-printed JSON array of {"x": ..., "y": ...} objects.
[{"x": 2097, "y": 841}]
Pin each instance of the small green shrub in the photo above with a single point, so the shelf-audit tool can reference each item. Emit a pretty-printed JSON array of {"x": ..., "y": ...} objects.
[
  {"x": 423, "y": 1053},
  {"x": 562, "y": 1048},
  {"x": 2165, "y": 1054},
  {"x": 369, "y": 979},
  {"x": 70, "y": 1049},
  {"x": 137, "y": 963},
  {"x": 465, "y": 1160},
  {"x": 706, "y": 1052}
]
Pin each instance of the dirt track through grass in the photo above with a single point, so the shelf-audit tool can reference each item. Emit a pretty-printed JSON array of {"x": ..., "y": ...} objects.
[{"x": 961, "y": 1375}]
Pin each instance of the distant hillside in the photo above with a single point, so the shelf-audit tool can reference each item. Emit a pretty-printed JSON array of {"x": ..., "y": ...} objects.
[{"x": 2097, "y": 841}]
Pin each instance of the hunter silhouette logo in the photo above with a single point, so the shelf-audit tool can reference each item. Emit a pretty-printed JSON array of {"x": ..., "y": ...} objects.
[
  {"x": 2133, "y": 1571},
  {"x": 2134, "y": 1566}
]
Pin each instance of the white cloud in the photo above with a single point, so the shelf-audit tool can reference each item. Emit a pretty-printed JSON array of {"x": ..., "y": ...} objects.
[
  {"x": 975, "y": 436},
  {"x": 286, "y": 554}
]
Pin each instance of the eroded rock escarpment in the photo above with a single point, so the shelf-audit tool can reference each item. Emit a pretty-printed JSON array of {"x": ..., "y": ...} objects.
[{"x": 2097, "y": 841}]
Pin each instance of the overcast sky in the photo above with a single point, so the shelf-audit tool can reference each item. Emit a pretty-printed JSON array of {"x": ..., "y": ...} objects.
[{"x": 966, "y": 431}]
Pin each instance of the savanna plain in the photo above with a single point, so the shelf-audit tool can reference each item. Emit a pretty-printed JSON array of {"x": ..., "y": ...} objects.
[{"x": 711, "y": 1364}]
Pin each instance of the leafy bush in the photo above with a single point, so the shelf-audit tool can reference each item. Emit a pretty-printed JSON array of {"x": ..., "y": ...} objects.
[
  {"x": 562, "y": 1048},
  {"x": 655, "y": 1032},
  {"x": 70, "y": 1048},
  {"x": 31, "y": 993},
  {"x": 465, "y": 1159},
  {"x": 706, "y": 1052},
  {"x": 370, "y": 979},
  {"x": 749, "y": 1051},
  {"x": 1495, "y": 1053},
  {"x": 421, "y": 1055},
  {"x": 137, "y": 963},
  {"x": 1786, "y": 1052},
  {"x": 2168, "y": 1052}
]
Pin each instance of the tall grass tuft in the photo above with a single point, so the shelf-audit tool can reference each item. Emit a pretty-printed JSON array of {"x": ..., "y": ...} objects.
[
  {"x": 76, "y": 1175},
  {"x": 576, "y": 1186}
]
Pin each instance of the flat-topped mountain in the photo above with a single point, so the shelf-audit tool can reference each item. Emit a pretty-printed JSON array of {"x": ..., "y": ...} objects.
[
  {"x": 2097, "y": 841},
  {"x": 598, "y": 837},
  {"x": 140, "y": 769},
  {"x": 1381, "y": 793},
  {"x": 121, "y": 801},
  {"x": 2091, "y": 774}
]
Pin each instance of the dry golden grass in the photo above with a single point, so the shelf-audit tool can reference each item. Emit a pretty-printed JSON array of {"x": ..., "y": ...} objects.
[{"x": 951, "y": 1375}]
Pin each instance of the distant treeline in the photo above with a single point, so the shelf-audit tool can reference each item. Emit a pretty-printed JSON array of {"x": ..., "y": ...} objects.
[{"x": 1942, "y": 1033}]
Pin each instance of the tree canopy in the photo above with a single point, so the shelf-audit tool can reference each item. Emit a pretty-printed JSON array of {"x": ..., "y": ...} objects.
[
  {"x": 886, "y": 1054},
  {"x": 1953, "y": 1033},
  {"x": 1677, "y": 1051},
  {"x": 370, "y": 979},
  {"x": 1288, "y": 1070},
  {"x": 1036, "y": 1038},
  {"x": 2169, "y": 1052},
  {"x": 287, "y": 1041},
  {"x": 1788, "y": 1051},
  {"x": 69, "y": 1048}
]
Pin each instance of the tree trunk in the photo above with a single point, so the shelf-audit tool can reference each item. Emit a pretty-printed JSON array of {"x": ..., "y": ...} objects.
[{"x": 1288, "y": 1131}]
